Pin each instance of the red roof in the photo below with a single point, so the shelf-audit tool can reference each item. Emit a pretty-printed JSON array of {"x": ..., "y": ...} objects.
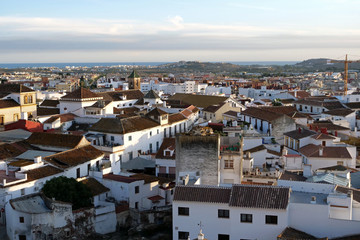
[
  {"x": 292, "y": 155},
  {"x": 120, "y": 178},
  {"x": 26, "y": 125},
  {"x": 155, "y": 198}
]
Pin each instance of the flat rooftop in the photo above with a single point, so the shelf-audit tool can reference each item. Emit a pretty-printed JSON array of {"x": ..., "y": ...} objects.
[{"x": 302, "y": 197}]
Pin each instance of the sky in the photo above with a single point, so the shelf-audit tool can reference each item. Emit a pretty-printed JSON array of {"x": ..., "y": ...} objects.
[{"x": 167, "y": 30}]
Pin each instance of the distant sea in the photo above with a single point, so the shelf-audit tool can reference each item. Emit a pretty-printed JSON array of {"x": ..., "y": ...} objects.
[{"x": 108, "y": 64}]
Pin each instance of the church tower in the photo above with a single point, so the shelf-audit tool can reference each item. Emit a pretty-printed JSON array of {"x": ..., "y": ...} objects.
[{"x": 134, "y": 80}]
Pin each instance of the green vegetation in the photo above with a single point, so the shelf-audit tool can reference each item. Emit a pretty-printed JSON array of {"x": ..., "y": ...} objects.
[{"x": 68, "y": 190}]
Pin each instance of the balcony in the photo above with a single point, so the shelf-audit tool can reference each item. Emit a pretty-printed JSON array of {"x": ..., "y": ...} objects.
[{"x": 110, "y": 147}]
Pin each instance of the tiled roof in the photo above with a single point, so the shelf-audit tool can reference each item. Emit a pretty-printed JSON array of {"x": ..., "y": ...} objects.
[
  {"x": 50, "y": 103},
  {"x": 201, "y": 101},
  {"x": 322, "y": 136},
  {"x": 353, "y": 105},
  {"x": 41, "y": 111},
  {"x": 231, "y": 113},
  {"x": 293, "y": 234},
  {"x": 9, "y": 151},
  {"x": 320, "y": 103},
  {"x": 259, "y": 197},
  {"x": 328, "y": 125},
  {"x": 274, "y": 152},
  {"x": 74, "y": 157},
  {"x": 255, "y": 149},
  {"x": 356, "y": 192},
  {"x": 156, "y": 112},
  {"x": 300, "y": 133},
  {"x": 42, "y": 172},
  {"x": 127, "y": 110},
  {"x": 118, "y": 95},
  {"x": 312, "y": 150},
  {"x": 210, "y": 194},
  {"x": 8, "y": 103},
  {"x": 213, "y": 108},
  {"x": 339, "y": 112},
  {"x": 95, "y": 187},
  {"x": 63, "y": 118},
  {"x": 122, "y": 126},
  {"x": 167, "y": 143},
  {"x": 176, "y": 117},
  {"x": 289, "y": 176},
  {"x": 155, "y": 198},
  {"x": 266, "y": 113},
  {"x": 120, "y": 178},
  {"x": 300, "y": 94},
  {"x": 151, "y": 94},
  {"x": 81, "y": 93},
  {"x": 338, "y": 168},
  {"x": 56, "y": 140},
  {"x": 280, "y": 109},
  {"x": 14, "y": 88},
  {"x": 247, "y": 196}
]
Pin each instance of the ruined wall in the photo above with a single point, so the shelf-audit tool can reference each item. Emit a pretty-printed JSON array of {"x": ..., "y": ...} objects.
[{"x": 199, "y": 154}]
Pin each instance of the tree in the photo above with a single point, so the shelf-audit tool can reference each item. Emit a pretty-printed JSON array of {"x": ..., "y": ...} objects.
[{"x": 68, "y": 190}]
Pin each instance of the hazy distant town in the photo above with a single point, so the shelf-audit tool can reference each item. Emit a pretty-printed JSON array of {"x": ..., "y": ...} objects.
[{"x": 186, "y": 150}]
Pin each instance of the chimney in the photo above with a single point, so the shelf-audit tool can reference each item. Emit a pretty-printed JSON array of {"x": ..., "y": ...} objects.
[
  {"x": 37, "y": 159},
  {"x": 248, "y": 155},
  {"x": 295, "y": 93},
  {"x": 7, "y": 170},
  {"x": 313, "y": 200},
  {"x": 201, "y": 235},
  {"x": 321, "y": 151}
]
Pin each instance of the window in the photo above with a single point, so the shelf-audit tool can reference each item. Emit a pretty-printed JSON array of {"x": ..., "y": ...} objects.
[
  {"x": 136, "y": 205},
  {"x": 22, "y": 237},
  {"x": 150, "y": 133},
  {"x": 130, "y": 138},
  {"x": 88, "y": 168},
  {"x": 157, "y": 146},
  {"x": 77, "y": 172},
  {"x": 136, "y": 189},
  {"x": 16, "y": 117},
  {"x": 1, "y": 120},
  {"x": 271, "y": 219},
  {"x": 183, "y": 235},
  {"x": 340, "y": 163},
  {"x": 223, "y": 237},
  {"x": 229, "y": 164},
  {"x": 247, "y": 218},
  {"x": 21, "y": 219},
  {"x": 112, "y": 138},
  {"x": 223, "y": 213},
  {"x": 130, "y": 155},
  {"x": 150, "y": 147},
  {"x": 183, "y": 211},
  {"x": 22, "y": 192}
]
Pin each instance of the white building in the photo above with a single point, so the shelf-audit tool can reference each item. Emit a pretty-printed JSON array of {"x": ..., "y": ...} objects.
[{"x": 236, "y": 212}]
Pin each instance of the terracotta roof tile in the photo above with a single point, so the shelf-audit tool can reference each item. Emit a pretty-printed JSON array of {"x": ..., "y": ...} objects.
[
  {"x": 56, "y": 140},
  {"x": 14, "y": 88},
  {"x": 42, "y": 172},
  {"x": 201, "y": 101},
  {"x": 293, "y": 234},
  {"x": 176, "y": 117},
  {"x": 289, "y": 176},
  {"x": 167, "y": 143},
  {"x": 95, "y": 187},
  {"x": 122, "y": 126},
  {"x": 41, "y": 111},
  {"x": 213, "y": 108},
  {"x": 312, "y": 150},
  {"x": 8, "y": 103},
  {"x": 50, "y": 103},
  {"x": 118, "y": 95},
  {"x": 81, "y": 93},
  {"x": 74, "y": 157},
  {"x": 339, "y": 112},
  {"x": 211, "y": 194},
  {"x": 259, "y": 197},
  {"x": 63, "y": 118},
  {"x": 300, "y": 133}
]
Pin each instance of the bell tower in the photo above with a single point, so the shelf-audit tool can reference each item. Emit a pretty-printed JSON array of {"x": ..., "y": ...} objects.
[{"x": 134, "y": 80}]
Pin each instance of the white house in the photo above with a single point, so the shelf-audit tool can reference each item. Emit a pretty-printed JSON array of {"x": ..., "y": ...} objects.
[{"x": 236, "y": 212}]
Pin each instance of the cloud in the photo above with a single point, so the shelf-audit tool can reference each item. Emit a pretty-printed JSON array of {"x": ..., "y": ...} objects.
[{"x": 20, "y": 35}]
